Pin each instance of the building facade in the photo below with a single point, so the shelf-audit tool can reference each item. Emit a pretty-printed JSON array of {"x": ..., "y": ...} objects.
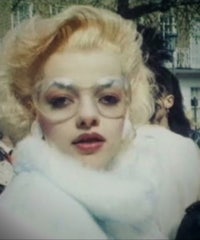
[{"x": 185, "y": 64}]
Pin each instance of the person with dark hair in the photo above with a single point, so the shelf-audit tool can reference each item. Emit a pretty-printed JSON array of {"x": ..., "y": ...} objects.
[
  {"x": 169, "y": 108},
  {"x": 169, "y": 103},
  {"x": 154, "y": 47}
]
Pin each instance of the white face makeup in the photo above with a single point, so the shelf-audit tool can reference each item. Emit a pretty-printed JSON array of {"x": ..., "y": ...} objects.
[
  {"x": 59, "y": 99},
  {"x": 82, "y": 104}
]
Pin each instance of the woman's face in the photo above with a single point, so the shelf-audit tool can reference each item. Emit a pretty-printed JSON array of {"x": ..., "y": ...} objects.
[{"x": 83, "y": 98}]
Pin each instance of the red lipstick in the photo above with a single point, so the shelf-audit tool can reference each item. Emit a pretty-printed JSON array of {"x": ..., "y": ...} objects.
[{"x": 89, "y": 143}]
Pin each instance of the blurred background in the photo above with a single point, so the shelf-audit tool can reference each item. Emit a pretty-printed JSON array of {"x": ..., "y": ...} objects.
[{"x": 178, "y": 20}]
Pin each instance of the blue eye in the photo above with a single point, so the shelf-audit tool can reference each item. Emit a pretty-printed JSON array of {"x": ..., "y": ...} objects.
[
  {"x": 59, "y": 102},
  {"x": 109, "y": 100}
]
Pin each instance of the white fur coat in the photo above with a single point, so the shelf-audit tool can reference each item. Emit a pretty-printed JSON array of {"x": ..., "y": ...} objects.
[{"x": 143, "y": 196}]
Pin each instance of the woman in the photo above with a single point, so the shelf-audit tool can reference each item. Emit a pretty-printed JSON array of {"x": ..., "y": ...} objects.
[
  {"x": 170, "y": 110},
  {"x": 169, "y": 105},
  {"x": 169, "y": 101},
  {"x": 80, "y": 174}
]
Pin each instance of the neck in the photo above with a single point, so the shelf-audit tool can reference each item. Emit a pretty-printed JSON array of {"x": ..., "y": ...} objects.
[{"x": 162, "y": 122}]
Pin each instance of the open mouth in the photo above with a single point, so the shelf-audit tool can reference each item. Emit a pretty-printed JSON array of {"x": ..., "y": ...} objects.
[{"x": 89, "y": 143}]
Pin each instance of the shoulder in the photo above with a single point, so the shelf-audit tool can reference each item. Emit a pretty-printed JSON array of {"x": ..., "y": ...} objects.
[
  {"x": 161, "y": 136},
  {"x": 163, "y": 146},
  {"x": 158, "y": 143},
  {"x": 155, "y": 131},
  {"x": 166, "y": 146}
]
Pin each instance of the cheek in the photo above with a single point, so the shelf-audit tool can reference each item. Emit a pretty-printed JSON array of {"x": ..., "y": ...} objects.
[
  {"x": 116, "y": 129},
  {"x": 58, "y": 134},
  {"x": 53, "y": 132},
  {"x": 121, "y": 127},
  {"x": 46, "y": 126},
  {"x": 114, "y": 137}
]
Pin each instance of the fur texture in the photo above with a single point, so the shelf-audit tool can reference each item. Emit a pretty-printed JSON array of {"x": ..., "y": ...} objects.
[{"x": 142, "y": 196}]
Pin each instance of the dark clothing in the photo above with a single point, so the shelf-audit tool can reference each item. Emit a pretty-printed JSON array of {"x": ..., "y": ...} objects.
[
  {"x": 189, "y": 228},
  {"x": 195, "y": 135}
]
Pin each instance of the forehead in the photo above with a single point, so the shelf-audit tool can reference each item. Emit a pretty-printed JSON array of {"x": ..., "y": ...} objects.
[{"x": 84, "y": 67}]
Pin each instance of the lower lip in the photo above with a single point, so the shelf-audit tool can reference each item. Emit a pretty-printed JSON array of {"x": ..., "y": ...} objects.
[{"x": 89, "y": 148}]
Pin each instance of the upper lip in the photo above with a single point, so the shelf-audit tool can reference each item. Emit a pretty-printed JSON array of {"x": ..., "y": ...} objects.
[{"x": 88, "y": 137}]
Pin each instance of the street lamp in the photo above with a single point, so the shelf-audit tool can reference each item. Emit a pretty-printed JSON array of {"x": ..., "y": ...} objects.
[{"x": 194, "y": 104}]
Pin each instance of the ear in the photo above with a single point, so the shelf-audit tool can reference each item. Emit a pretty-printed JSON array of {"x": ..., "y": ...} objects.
[{"x": 169, "y": 101}]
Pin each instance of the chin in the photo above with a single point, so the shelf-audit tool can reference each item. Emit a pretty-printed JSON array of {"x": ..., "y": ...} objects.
[{"x": 95, "y": 162}]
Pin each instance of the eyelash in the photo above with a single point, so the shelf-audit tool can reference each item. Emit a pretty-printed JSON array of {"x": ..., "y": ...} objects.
[
  {"x": 60, "y": 102},
  {"x": 109, "y": 99}
]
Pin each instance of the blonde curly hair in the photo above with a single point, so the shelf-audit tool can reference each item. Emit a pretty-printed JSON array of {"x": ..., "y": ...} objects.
[
  {"x": 26, "y": 48},
  {"x": 15, "y": 121}
]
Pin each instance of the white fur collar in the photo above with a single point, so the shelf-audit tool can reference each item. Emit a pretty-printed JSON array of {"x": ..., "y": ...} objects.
[
  {"x": 137, "y": 192},
  {"x": 108, "y": 195}
]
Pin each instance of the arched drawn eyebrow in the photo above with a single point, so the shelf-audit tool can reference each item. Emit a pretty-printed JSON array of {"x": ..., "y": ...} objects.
[
  {"x": 74, "y": 88},
  {"x": 69, "y": 87}
]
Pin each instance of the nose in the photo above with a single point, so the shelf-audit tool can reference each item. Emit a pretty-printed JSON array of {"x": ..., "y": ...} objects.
[{"x": 88, "y": 115}]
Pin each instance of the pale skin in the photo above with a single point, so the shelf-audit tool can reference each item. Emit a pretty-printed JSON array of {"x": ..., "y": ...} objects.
[
  {"x": 85, "y": 68},
  {"x": 161, "y": 116}
]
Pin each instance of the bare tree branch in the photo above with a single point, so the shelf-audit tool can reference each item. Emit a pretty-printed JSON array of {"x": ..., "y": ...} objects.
[
  {"x": 14, "y": 5},
  {"x": 144, "y": 9}
]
